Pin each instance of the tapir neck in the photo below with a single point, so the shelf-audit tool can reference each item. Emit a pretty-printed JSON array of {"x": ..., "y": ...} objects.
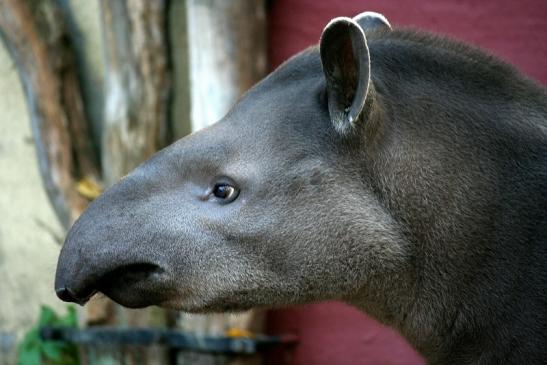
[{"x": 457, "y": 328}]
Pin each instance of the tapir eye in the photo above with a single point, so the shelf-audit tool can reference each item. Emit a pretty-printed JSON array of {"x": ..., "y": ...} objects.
[{"x": 225, "y": 192}]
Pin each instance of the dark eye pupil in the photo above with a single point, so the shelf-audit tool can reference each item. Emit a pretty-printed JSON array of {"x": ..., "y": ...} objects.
[{"x": 223, "y": 191}]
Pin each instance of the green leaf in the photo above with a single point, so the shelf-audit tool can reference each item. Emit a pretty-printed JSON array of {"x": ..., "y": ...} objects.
[
  {"x": 70, "y": 319},
  {"x": 47, "y": 316},
  {"x": 32, "y": 350},
  {"x": 29, "y": 357},
  {"x": 52, "y": 350}
]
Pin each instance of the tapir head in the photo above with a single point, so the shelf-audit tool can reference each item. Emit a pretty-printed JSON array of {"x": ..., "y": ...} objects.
[{"x": 270, "y": 206}]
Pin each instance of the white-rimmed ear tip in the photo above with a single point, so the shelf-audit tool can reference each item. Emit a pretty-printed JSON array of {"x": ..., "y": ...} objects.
[
  {"x": 371, "y": 20},
  {"x": 340, "y": 19}
]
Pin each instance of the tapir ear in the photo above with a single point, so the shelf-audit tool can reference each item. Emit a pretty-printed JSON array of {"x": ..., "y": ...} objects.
[
  {"x": 346, "y": 65},
  {"x": 370, "y": 20}
]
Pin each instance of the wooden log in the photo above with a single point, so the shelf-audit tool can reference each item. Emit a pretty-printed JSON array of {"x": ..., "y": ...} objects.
[
  {"x": 226, "y": 55},
  {"x": 35, "y": 36}
]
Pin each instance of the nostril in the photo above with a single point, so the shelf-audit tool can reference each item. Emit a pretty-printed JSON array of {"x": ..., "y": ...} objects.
[{"x": 65, "y": 294}]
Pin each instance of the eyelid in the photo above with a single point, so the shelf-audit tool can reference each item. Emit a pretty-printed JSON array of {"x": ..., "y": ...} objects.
[{"x": 224, "y": 180}]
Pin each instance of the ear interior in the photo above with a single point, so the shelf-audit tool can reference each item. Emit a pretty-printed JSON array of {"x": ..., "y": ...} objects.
[{"x": 346, "y": 65}]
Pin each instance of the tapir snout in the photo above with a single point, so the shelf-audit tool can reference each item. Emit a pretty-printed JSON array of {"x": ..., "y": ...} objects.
[{"x": 101, "y": 254}]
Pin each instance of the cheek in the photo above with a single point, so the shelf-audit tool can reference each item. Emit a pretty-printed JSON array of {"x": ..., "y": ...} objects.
[{"x": 310, "y": 181}]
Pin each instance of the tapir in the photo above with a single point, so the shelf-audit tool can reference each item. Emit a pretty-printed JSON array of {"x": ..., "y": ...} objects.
[{"x": 398, "y": 171}]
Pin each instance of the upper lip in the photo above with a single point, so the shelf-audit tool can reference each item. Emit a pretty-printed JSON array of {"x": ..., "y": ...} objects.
[{"x": 124, "y": 275}]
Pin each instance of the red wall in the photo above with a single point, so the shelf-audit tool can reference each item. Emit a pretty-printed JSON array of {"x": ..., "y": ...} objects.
[
  {"x": 333, "y": 333},
  {"x": 514, "y": 30}
]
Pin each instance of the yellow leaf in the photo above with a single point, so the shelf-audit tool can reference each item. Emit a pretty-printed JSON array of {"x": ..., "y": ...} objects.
[
  {"x": 89, "y": 188},
  {"x": 238, "y": 332}
]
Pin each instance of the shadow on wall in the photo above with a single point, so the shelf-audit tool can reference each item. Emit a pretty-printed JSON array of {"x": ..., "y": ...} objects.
[{"x": 7, "y": 346}]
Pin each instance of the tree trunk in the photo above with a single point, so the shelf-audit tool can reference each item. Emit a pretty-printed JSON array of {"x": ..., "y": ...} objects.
[
  {"x": 134, "y": 127},
  {"x": 36, "y": 38},
  {"x": 226, "y": 55},
  {"x": 137, "y": 84}
]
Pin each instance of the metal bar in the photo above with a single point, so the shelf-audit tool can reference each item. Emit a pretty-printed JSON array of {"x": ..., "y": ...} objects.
[{"x": 170, "y": 338}]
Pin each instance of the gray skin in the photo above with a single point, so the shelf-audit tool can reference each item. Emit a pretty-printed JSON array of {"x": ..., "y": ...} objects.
[{"x": 403, "y": 173}]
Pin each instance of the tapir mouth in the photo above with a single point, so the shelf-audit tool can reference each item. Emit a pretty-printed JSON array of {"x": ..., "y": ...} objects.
[{"x": 130, "y": 285}]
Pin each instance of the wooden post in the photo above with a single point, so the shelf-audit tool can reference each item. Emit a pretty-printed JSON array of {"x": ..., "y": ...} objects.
[{"x": 226, "y": 55}]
